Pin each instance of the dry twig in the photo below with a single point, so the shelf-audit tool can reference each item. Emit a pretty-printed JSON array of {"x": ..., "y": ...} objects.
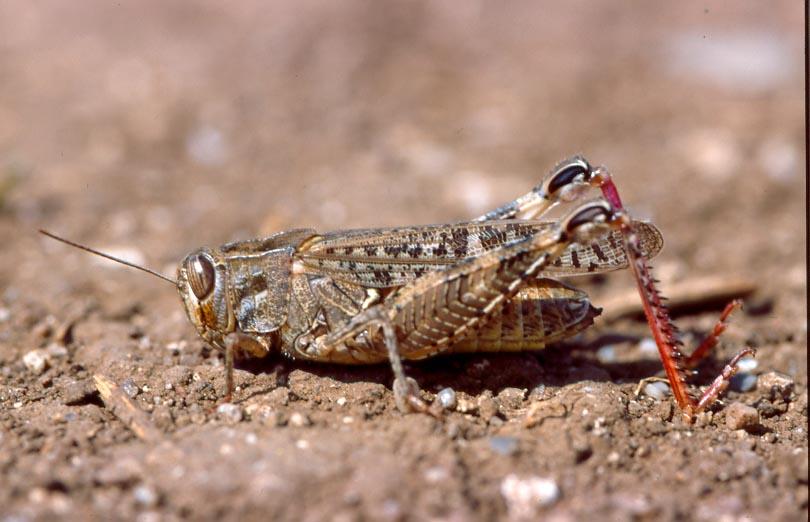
[{"x": 125, "y": 409}]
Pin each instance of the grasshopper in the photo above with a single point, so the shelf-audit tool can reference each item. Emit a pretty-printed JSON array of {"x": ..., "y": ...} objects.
[{"x": 486, "y": 285}]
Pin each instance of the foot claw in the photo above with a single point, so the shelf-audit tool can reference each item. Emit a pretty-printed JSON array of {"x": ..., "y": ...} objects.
[{"x": 407, "y": 397}]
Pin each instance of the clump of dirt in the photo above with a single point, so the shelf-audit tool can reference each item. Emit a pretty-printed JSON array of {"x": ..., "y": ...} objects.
[{"x": 200, "y": 125}]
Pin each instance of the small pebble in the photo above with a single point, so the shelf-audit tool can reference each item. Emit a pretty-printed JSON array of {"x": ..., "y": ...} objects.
[
  {"x": 487, "y": 407},
  {"x": 206, "y": 145},
  {"x": 606, "y": 354},
  {"x": 769, "y": 437},
  {"x": 5, "y": 315},
  {"x": 436, "y": 475},
  {"x": 299, "y": 420},
  {"x": 176, "y": 347},
  {"x": 56, "y": 351},
  {"x": 747, "y": 364},
  {"x": 145, "y": 496},
  {"x": 511, "y": 398},
  {"x": 740, "y": 416},
  {"x": 466, "y": 406},
  {"x": 36, "y": 361},
  {"x": 504, "y": 445},
  {"x": 743, "y": 382},
  {"x": 777, "y": 384},
  {"x": 341, "y": 401},
  {"x": 524, "y": 496},
  {"x": 78, "y": 392},
  {"x": 447, "y": 398},
  {"x": 538, "y": 392},
  {"x": 647, "y": 346},
  {"x": 230, "y": 413},
  {"x": 130, "y": 388},
  {"x": 657, "y": 390}
]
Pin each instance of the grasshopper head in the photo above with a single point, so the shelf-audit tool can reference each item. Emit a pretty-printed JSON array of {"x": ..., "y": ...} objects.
[{"x": 203, "y": 284}]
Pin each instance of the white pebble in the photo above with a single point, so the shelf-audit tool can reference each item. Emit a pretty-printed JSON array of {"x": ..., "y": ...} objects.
[
  {"x": 657, "y": 390},
  {"x": 176, "y": 347},
  {"x": 130, "y": 388},
  {"x": 524, "y": 496},
  {"x": 56, "y": 351},
  {"x": 436, "y": 475},
  {"x": 5, "y": 315},
  {"x": 206, "y": 145},
  {"x": 229, "y": 412},
  {"x": 36, "y": 361},
  {"x": 447, "y": 398},
  {"x": 648, "y": 346},
  {"x": 145, "y": 496},
  {"x": 606, "y": 354},
  {"x": 299, "y": 420},
  {"x": 747, "y": 364},
  {"x": 743, "y": 382},
  {"x": 341, "y": 401}
]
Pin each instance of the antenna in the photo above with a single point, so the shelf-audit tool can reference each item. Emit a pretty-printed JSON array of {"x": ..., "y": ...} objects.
[{"x": 107, "y": 256}]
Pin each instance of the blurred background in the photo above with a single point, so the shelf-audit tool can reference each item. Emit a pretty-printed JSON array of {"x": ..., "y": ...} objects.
[{"x": 152, "y": 128}]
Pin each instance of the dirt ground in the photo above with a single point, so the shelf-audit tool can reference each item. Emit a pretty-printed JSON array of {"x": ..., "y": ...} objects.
[{"x": 148, "y": 129}]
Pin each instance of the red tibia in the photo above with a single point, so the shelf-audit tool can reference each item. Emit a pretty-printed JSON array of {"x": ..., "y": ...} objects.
[
  {"x": 609, "y": 189},
  {"x": 657, "y": 315},
  {"x": 721, "y": 381},
  {"x": 711, "y": 340},
  {"x": 660, "y": 323}
]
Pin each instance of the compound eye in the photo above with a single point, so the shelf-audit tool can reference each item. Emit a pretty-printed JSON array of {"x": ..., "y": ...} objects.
[{"x": 201, "y": 275}]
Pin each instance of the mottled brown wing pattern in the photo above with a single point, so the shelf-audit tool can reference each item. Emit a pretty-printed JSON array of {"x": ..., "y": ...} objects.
[
  {"x": 385, "y": 258},
  {"x": 605, "y": 255}
]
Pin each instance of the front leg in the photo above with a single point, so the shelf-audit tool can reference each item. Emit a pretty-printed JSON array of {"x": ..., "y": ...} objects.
[{"x": 239, "y": 345}]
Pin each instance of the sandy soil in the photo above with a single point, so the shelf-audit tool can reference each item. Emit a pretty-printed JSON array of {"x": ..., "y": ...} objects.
[{"x": 149, "y": 129}]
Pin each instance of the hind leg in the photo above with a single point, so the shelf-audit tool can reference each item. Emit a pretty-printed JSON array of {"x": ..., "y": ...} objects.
[{"x": 565, "y": 183}]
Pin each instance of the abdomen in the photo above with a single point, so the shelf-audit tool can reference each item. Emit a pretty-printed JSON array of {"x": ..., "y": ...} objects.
[{"x": 545, "y": 311}]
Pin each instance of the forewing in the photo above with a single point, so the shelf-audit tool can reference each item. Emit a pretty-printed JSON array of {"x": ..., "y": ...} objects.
[
  {"x": 605, "y": 255},
  {"x": 391, "y": 257}
]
